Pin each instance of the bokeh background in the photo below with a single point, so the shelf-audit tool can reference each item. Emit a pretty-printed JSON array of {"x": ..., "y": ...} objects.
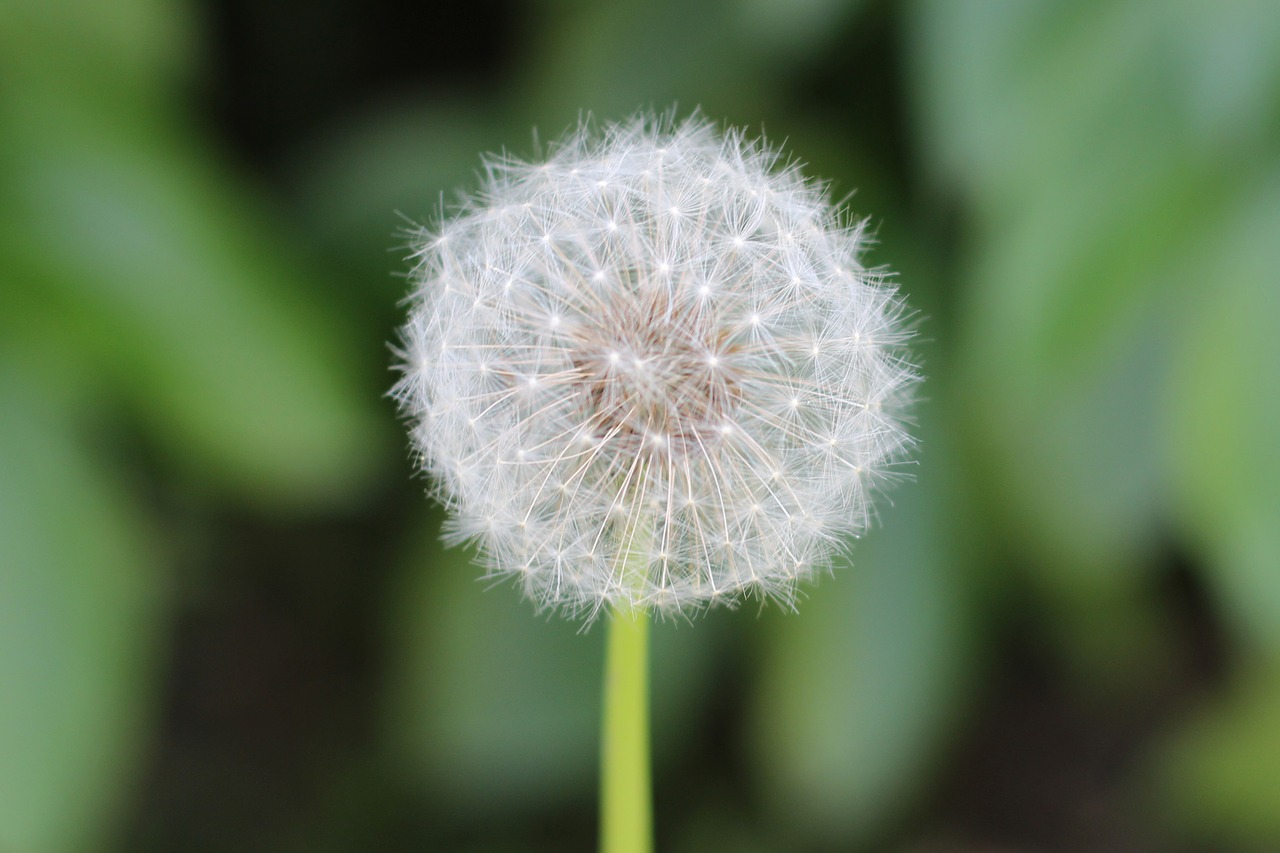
[{"x": 225, "y": 620}]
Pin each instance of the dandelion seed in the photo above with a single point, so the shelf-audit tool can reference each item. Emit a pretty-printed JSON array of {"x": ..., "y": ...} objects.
[{"x": 586, "y": 387}]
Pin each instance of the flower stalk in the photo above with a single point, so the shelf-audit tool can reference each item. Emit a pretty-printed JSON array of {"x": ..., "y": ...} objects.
[{"x": 626, "y": 810}]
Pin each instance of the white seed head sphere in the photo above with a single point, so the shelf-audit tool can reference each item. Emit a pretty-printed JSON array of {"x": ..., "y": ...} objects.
[{"x": 652, "y": 371}]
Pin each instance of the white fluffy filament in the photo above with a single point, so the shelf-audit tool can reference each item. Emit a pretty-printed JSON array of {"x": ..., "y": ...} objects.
[{"x": 662, "y": 328}]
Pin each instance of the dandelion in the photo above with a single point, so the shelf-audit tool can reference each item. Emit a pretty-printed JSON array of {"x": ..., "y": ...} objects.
[{"x": 652, "y": 371}]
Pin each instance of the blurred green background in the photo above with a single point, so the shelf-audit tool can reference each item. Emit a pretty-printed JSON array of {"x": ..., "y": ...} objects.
[{"x": 226, "y": 623}]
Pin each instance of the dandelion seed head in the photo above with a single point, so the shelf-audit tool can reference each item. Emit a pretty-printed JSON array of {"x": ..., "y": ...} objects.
[{"x": 653, "y": 371}]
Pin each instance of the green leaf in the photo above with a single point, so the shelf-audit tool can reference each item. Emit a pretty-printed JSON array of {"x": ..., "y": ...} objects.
[
  {"x": 612, "y": 60},
  {"x": 97, "y": 49},
  {"x": 1226, "y": 408},
  {"x": 1099, "y": 179},
  {"x": 495, "y": 707},
  {"x": 391, "y": 168},
  {"x": 857, "y": 690},
  {"x": 1013, "y": 94},
  {"x": 1217, "y": 778},
  {"x": 787, "y": 33},
  {"x": 80, "y": 597},
  {"x": 178, "y": 290},
  {"x": 494, "y": 703}
]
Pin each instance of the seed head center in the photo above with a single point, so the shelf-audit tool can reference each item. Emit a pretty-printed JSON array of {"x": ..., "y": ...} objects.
[{"x": 656, "y": 378}]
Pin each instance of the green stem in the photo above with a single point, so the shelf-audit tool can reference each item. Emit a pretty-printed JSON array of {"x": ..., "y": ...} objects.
[{"x": 626, "y": 810}]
